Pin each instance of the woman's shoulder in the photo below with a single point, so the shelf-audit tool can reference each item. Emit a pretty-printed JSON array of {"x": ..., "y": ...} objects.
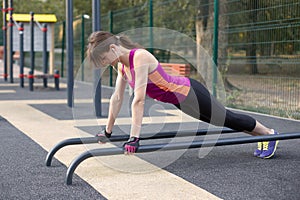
[{"x": 144, "y": 55}]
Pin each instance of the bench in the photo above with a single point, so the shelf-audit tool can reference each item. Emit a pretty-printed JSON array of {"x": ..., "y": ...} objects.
[{"x": 177, "y": 69}]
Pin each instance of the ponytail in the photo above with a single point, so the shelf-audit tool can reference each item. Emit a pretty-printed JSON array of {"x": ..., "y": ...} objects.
[{"x": 127, "y": 43}]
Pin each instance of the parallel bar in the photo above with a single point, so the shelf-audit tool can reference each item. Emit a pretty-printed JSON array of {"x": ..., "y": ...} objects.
[
  {"x": 176, "y": 146},
  {"x": 72, "y": 141},
  {"x": 118, "y": 138}
]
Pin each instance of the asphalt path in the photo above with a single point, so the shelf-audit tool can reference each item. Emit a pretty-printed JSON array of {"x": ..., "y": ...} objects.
[{"x": 229, "y": 172}]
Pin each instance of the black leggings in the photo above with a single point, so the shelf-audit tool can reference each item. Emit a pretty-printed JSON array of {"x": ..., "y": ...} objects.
[{"x": 200, "y": 104}]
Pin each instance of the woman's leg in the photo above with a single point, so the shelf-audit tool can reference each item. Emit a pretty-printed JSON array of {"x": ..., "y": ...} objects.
[
  {"x": 260, "y": 129},
  {"x": 200, "y": 104}
]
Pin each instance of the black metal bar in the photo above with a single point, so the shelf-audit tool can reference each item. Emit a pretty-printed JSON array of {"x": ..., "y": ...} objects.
[
  {"x": 89, "y": 154},
  {"x": 4, "y": 28},
  {"x": 176, "y": 146},
  {"x": 45, "y": 57},
  {"x": 56, "y": 79},
  {"x": 21, "y": 33},
  {"x": 72, "y": 141},
  {"x": 119, "y": 138},
  {"x": 31, "y": 80},
  {"x": 11, "y": 23},
  {"x": 96, "y": 18},
  {"x": 70, "y": 51},
  {"x": 32, "y": 54}
]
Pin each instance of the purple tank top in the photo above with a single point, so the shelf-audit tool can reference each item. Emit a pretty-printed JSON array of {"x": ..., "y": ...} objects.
[{"x": 161, "y": 86}]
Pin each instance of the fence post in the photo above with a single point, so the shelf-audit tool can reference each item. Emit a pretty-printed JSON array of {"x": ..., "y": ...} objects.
[
  {"x": 215, "y": 47},
  {"x": 151, "y": 25},
  {"x": 82, "y": 47}
]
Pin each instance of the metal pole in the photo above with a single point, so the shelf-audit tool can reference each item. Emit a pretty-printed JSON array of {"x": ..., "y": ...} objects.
[
  {"x": 215, "y": 49},
  {"x": 11, "y": 23},
  {"x": 151, "y": 25},
  {"x": 31, "y": 73},
  {"x": 45, "y": 57},
  {"x": 97, "y": 75},
  {"x": 4, "y": 28},
  {"x": 70, "y": 52},
  {"x": 110, "y": 21},
  {"x": 21, "y": 33},
  {"x": 82, "y": 47}
]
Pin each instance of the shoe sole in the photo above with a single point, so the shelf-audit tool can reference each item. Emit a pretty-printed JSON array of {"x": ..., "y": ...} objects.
[
  {"x": 257, "y": 154},
  {"x": 270, "y": 156}
]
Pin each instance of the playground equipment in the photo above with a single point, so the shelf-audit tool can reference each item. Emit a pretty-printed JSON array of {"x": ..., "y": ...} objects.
[
  {"x": 25, "y": 27},
  {"x": 161, "y": 146}
]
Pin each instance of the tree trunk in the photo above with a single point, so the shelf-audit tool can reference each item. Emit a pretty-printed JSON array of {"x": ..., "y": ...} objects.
[
  {"x": 251, "y": 48},
  {"x": 204, "y": 34}
]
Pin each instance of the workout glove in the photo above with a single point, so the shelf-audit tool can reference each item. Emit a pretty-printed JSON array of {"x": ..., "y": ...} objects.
[
  {"x": 103, "y": 136},
  {"x": 132, "y": 145}
]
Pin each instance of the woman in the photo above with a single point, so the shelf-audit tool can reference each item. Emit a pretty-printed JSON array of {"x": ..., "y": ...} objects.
[{"x": 145, "y": 75}]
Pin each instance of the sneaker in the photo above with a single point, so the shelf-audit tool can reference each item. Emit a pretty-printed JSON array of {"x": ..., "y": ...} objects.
[
  {"x": 269, "y": 148},
  {"x": 258, "y": 151}
]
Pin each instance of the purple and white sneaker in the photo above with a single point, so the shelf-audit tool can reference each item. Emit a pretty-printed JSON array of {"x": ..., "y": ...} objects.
[
  {"x": 269, "y": 148},
  {"x": 259, "y": 150}
]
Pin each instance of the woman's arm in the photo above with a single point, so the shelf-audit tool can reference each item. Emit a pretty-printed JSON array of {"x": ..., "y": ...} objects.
[
  {"x": 144, "y": 63},
  {"x": 116, "y": 101}
]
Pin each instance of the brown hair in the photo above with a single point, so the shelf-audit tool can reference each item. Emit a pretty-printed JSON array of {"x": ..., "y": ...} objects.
[{"x": 100, "y": 41}]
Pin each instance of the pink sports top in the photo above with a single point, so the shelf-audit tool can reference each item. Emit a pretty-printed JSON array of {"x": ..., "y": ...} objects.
[{"x": 161, "y": 86}]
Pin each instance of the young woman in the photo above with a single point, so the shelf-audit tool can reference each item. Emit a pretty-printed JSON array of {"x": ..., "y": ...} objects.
[{"x": 145, "y": 75}]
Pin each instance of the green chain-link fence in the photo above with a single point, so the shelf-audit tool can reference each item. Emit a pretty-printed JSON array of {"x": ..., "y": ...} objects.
[{"x": 259, "y": 45}]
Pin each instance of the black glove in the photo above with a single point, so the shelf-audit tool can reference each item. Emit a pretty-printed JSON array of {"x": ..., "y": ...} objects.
[
  {"x": 132, "y": 145},
  {"x": 103, "y": 136}
]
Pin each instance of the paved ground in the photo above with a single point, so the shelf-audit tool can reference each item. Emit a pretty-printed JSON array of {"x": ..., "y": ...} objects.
[{"x": 31, "y": 123}]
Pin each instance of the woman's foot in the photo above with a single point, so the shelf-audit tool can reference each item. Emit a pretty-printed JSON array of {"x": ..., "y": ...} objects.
[{"x": 269, "y": 148}]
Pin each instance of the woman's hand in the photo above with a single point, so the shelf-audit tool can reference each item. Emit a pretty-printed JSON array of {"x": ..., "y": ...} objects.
[
  {"x": 103, "y": 136},
  {"x": 131, "y": 146}
]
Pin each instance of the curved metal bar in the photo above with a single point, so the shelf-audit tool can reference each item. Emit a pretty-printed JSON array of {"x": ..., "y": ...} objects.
[
  {"x": 119, "y": 138},
  {"x": 176, "y": 146},
  {"x": 89, "y": 154},
  {"x": 72, "y": 141}
]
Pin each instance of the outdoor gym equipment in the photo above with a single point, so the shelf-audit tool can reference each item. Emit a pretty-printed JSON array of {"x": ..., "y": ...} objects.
[
  {"x": 162, "y": 146},
  {"x": 45, "y": 74},
  {"x": 119, "y": 138}
]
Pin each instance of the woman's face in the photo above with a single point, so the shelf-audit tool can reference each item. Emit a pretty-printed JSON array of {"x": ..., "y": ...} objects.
[{"x": 109, "y": 58}]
